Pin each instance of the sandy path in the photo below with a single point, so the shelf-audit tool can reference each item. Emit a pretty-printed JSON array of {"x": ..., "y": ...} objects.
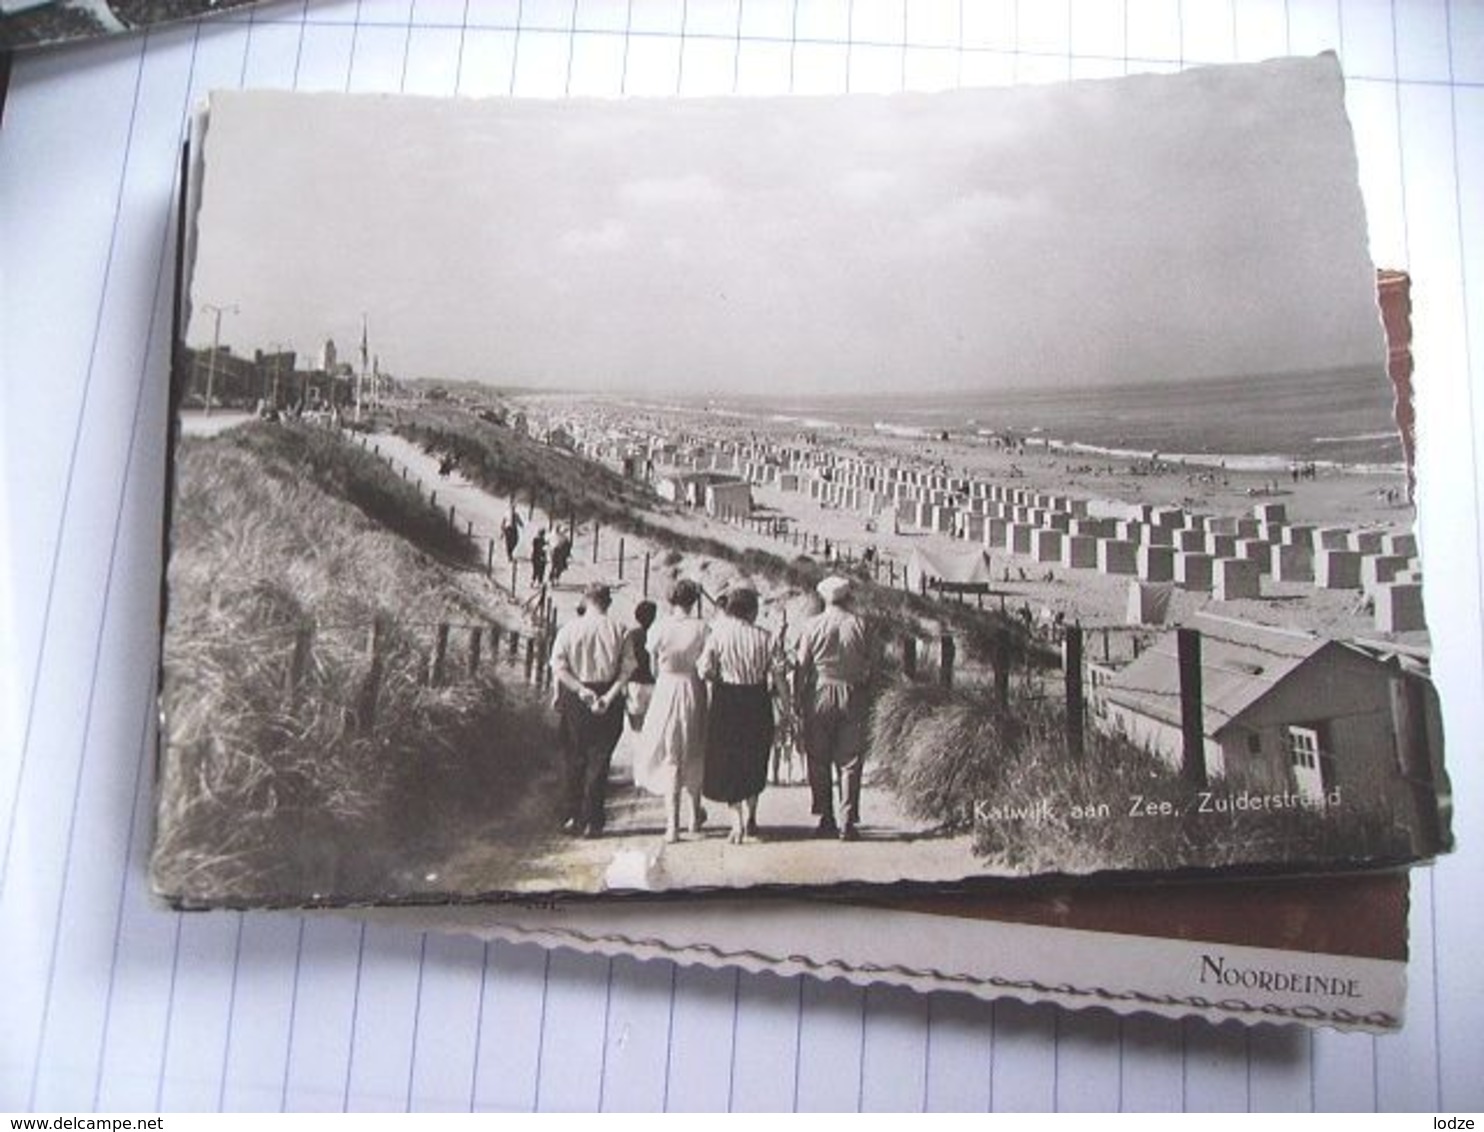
[
  {"x": 473, "y": 505},
  {"x": 632, "y": 852}
]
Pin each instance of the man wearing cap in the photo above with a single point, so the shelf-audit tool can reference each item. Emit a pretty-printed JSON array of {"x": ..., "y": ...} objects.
[
  {"x": 586, "y": 658},
  {"x": 834, "y": 666}
]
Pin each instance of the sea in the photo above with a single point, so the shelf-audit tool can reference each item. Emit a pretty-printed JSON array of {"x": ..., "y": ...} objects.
[{"x": 1331, "y": 418}]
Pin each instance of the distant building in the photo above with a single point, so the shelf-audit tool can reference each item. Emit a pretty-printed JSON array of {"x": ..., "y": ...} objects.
[
  {"x": 692, "y": 489},
  {"x": 276, "y": 375},
  {"x": 233, "y": 380},
  {"x": 1285, "y": 711}
]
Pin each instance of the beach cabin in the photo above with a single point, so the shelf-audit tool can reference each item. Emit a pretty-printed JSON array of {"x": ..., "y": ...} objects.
[
  {"x": 1284, "y": 711},
  {"x": 688, "y": 489},
  {"x": 731, "y": 499}
]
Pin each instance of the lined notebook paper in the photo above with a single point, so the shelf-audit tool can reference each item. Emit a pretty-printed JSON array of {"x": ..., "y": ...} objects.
[{"x": 112, "y": 1003}]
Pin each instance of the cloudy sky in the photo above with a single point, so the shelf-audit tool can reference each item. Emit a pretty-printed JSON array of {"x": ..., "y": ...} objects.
[{"x": 1204, "y": 224}]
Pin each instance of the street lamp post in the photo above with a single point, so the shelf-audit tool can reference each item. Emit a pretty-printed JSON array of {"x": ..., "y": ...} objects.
[{"x": 216, "y": 338}]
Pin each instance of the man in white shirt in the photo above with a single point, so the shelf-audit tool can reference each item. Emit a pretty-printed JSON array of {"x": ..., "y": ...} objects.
[
  {"x": 833, "y": 670},
  {"x": 585, "y": 661}
]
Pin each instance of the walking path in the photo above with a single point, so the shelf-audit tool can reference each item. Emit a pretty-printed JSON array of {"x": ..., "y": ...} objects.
[{"x": 632, "y": 853}]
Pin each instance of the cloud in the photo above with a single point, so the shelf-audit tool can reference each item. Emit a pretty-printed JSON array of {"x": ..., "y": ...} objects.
[
  {"x": 978, "y": 213},
  {"x": 867, "y": 186},
  {"x": 610, "y": 236},
  {"x": 692, "y": 188}
]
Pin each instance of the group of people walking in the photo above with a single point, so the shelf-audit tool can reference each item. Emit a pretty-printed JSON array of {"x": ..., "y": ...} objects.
[
  {"x": 553, "y": 554},
  {"x": 696, "y": 697}
]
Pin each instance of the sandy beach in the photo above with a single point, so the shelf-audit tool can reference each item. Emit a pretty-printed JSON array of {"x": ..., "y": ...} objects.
[{"x": 1370, "y": 499}]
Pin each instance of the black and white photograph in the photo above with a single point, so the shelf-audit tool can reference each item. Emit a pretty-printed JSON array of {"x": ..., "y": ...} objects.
[{"x": 683, "y": 494}]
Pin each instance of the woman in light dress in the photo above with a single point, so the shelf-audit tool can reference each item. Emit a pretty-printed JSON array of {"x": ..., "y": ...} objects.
[{"x": 669, "y": 759}]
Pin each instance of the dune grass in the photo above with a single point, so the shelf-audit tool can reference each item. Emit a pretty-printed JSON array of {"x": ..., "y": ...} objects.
[
  {"x": 955, "y": 758},
  {"x": 279, "y": 794},
  {"x": 322, "y": 458}
]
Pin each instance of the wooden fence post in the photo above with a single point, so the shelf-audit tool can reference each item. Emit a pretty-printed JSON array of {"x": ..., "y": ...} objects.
[
  {"x": 440, "y": 655},
  {"x": 596, "y": 531},
  {"x": 620, "y": 557},
  {"x": 476, "y": 636},
  {"x": 371, "y": 685},
  {"x": 1192, "y": 722},
  {"x": 299, "y": 661},
  {"x": 433, "y": 499},
  {"x": 947, "y": 651},
  {"x": 909, "y": 656},
  {"x": 489, "y": 561},
  {"x": 514, "y": 645},
  {"x": 452, "y": 522},
  {"x": 646, "y": 573},
  {"x": 514, "y": 570},
  {"x": 530, "y": 658},
  {"x": 1076, "y": 706}
]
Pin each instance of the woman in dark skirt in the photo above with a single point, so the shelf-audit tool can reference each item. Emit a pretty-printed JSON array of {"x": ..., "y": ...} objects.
[{"x": 738, "y": 660}]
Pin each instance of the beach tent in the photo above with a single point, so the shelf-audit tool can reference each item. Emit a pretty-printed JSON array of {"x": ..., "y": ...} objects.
[{"x": 950, "y": 570}]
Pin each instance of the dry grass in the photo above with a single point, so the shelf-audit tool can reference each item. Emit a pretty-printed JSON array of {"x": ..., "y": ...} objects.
[{"x": 272, "y": 794}]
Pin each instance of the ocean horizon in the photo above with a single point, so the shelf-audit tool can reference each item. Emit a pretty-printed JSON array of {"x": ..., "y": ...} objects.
[{"x": 1262, "y": 422}]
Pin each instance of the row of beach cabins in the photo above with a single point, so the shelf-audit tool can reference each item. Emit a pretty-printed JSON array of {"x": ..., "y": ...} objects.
[{"x": 1226, "y": 556}]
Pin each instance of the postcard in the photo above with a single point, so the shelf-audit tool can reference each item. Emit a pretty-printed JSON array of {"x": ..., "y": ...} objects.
[{"x": 664, "y": 496}]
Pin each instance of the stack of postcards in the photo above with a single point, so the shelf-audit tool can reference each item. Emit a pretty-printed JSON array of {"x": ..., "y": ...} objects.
[{"x": 956, "y": 540}]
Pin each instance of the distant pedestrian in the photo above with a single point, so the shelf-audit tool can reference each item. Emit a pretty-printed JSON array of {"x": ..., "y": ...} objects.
[
  {"x": 561, "y": 556},
  {"x": 538, "y": 558},
  {"x": 510, "y": 532}
]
